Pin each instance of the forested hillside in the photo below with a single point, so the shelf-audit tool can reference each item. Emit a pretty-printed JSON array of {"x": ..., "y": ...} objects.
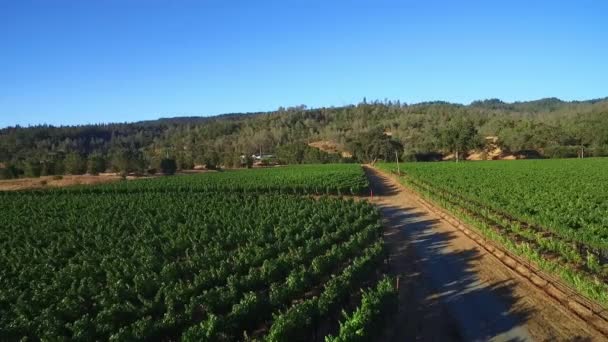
[{"x": 368, "y": 130}]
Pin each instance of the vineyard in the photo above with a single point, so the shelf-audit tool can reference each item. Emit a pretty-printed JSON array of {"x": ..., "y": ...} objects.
[
  {"x": 551, "y": 211},
  {"x": 170, "y": 259},
  {"x": 336, "y": 179}
]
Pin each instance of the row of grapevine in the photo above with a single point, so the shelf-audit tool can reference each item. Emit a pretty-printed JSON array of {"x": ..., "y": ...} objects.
[
  {"x": 335, "y": 179},
  {"x": 567, "y": 197},
  {"x": 551, "y": 244},
  {"x": 298, "y": 321},
  {"x": 368, "y": 320},
  {"x": 162, "y": 260},
  {"x": 281, "y": 295},
  {"x": 576, "y": 254}
]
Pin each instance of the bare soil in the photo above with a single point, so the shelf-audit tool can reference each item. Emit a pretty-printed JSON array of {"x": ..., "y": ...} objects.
[
  {"x": 451, "y": 289},
  {"x": 69, "y": 180},
  {"x": 50, "y": 181},
  {"x": 330, "y": 147}
]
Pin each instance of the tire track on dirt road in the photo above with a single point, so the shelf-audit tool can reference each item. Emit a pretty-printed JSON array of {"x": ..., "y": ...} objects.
[{"x": 452, "y": 289}]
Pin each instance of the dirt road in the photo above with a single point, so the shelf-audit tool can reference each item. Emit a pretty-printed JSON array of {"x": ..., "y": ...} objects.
[{"x": 452, "y": 290}]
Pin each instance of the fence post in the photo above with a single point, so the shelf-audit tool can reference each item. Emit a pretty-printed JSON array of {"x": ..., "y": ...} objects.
[{"x": 397, "y": 159}]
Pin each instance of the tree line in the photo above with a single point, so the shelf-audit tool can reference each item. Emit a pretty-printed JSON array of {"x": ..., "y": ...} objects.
[{"x": 368, "y": 130}]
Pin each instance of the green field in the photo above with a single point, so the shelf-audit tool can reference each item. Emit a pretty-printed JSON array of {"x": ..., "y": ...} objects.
[
  {"x": 552, "y": 211},
  {"x": 154, "y": 264},
  {"x": 336, "y": 179}
]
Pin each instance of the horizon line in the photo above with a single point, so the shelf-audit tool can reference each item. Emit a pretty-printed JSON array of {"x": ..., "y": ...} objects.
[{"x": 385, "y": 101}]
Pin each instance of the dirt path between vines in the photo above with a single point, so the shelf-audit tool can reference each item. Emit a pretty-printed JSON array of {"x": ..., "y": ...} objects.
[{"x": 453, "y": 290}]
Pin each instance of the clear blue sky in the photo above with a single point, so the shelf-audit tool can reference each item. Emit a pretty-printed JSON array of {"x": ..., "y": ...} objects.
[{"x": 86, "y": 61}]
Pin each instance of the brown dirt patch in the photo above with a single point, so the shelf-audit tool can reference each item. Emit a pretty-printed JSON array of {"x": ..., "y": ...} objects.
[
  {"x": 51, "y": 182},
  {"x": 69, "y": 180},
  {"x": 331, "y": 147}
]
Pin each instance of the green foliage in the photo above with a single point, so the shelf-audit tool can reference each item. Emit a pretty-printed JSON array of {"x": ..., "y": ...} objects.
[
  {"x": 205, "y": 331},
  {"x": 126, "y": 161},
  {"x": 185, "y": 257},
  {"x": 33, "y": 169},
  {"x": 211, "y": 160},
  {"x": 550, "y": 211},
  {"x": 340, "y": 179},
  {"x": 184, "y": 162},
  {"x": 96, "y": 164},
  {"x": 75, "y": 164},
  {"x": 300, "y": 153},
  {"x": 168, "y": 166},
  {"x": 216, "y": 141},
  {"x": 561, "y": 151},
  {"x": 292, "y": 153},
  {"x": 247, "y": 161},
  {"x": 375, "y": 145},
  {"x": 566, "y": 196},
  {"x": 365, "y": 324},
  {"x": 9, "y": 172},
  {"x": 459, "y": 136},
  {"x": 296, "y": 323},
  {"x": 51, "y": 167},
  {"x": 174, "y": 262}
]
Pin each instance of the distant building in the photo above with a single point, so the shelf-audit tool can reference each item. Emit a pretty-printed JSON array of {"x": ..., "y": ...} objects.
[
  {"x": 261, "y": 157},
  {"x": 264, "y": 159}
]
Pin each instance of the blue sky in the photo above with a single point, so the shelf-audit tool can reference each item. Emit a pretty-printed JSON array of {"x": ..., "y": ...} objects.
[{"x": 75, "y": 62}]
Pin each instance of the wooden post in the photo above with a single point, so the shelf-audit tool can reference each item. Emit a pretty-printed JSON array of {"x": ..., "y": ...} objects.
[{"x": 397, "y": 158}]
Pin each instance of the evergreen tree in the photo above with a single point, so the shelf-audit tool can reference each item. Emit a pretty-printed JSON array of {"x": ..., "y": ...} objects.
[
  {"x": 75, "y": 164},
  {"x": 168, "y": 166},
  {"x": 96, "y": 164}
]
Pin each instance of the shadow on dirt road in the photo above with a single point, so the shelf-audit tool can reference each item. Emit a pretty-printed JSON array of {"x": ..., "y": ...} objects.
[{"x": 442, "y": 299}]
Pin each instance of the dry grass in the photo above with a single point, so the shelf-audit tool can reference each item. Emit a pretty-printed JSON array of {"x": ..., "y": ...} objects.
[
  {"x": 68, "y": 180},
  {"x": 330, "y": 147},
  {"x": 52, "y": 181}
]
